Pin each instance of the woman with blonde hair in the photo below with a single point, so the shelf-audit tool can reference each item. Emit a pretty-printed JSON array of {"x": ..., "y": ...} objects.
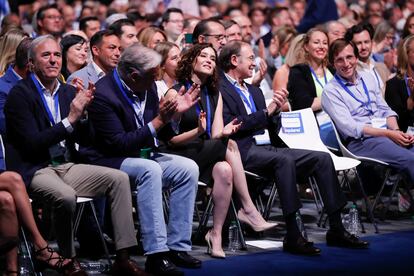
[
  {"x": 151, "y": 36},
  {"x": 307, "y": 80},
  {"x": 8, "y": 45},
  {"x": 399, "y": 91},
  {"x": 170, "y": 55}
]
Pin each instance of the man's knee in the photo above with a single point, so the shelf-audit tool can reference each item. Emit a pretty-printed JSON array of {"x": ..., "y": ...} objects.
[{"x": 65, "y": 201}]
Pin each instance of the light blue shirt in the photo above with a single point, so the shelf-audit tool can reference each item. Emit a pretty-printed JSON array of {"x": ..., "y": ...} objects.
[{"x": 349, "y": 115}]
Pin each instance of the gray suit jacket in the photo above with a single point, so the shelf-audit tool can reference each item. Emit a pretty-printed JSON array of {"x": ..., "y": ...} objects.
[{"x": 86, "y": 74}]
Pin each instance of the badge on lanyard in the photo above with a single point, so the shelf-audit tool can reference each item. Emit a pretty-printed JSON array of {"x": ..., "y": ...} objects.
[{"x": 379, "y": 123}]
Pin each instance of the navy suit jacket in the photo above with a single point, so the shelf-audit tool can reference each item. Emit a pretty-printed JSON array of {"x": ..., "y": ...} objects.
[
  {"x": 7, "y": 81},
  {"x": 252, "y": 124},
  {"x": 29, "y": 132},
  {"x": 116, "y": 134}
]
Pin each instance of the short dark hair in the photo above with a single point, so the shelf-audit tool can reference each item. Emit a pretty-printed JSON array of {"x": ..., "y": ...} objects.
[
  {"x": 359, "y": 28},
  {"x": 83, "y": 23},
  {"x": 43, "y": 9},
  {"x": 135, "y": 16},
  {"x": 338, "y": 45},
  {"x": 96, "y": 39},
  {"x": 116, "y": 27},
  {"x": 22, "y": 51},
  {"x": 202, "y": 28},
  {"x": 230, "y": 49},
  {"x": 166, "y": 16}
]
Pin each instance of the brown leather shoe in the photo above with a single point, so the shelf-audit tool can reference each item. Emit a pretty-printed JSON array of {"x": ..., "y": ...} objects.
[
  {"x": 127, "y": 268},
  {"x": 74, "y": 269}
]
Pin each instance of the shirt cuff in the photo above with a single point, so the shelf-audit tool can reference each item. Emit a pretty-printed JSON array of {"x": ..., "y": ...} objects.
[
  {"x": 67, "y": 125},
  {"x": 152, "y": 129}
]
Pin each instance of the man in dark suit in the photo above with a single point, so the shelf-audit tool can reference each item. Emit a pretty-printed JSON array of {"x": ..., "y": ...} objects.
[
  {"x": 129, "y": 121},
  {"x": 14, "y": 73},
  {"x": 260, "y": 153},
  {"x": 43, "y": 125}
]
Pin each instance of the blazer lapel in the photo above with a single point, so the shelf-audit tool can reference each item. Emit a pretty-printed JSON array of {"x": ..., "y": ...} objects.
[{"x": 233, "y": 93}]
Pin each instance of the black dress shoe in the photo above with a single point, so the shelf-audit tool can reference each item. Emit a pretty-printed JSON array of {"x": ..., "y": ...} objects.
[
  {"x": 160, "y": 264},
  {"x": 127, "y": 268},
  {"x": 344, "y": 239},
  {"x": 183, "y": 259},
  {"x": 7, "y": 244},
  {"x": 301, "y": 247}
]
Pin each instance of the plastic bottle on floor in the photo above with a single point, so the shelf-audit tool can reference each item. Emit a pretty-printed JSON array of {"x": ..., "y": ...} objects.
[
  {"x": 234, "y": 243},
  {"x": 94, "y": 267},
  {"x": 353, "y": 227}
]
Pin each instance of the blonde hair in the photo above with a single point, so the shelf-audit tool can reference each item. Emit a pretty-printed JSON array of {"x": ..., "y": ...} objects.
[
  {"x": 8, "y": 45},
  {"x": 146, "y": 34},
  {"x": 296, "y": 53},
  {"x": 402, "y": 52}
]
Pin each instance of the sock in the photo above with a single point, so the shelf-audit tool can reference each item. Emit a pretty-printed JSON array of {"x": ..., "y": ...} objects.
[
  {"x": 335, "y": 222},
  {"x": 292, "y": 229},
  {"x": 122, "y": 254}
]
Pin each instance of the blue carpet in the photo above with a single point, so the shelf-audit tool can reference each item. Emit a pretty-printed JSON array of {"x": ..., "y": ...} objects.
[{"x": 389, "y": 254}]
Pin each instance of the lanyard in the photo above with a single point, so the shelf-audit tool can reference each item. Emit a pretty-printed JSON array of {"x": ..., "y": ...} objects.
[
  {"x": 39, "y": 89},
  {"x": 316, "y": 77},
  {"x": 406, "y": 85},
  {"x": 376, "y": 76},
  {"x": 365, "y": 104},
  {"x": 199, "y": 108},
  {"x": 132, "y": 103},
  {"x": 248, "y": 101}
]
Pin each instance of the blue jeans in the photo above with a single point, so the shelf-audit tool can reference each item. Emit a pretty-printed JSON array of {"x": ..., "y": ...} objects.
[{"x": 164, "y": 171}]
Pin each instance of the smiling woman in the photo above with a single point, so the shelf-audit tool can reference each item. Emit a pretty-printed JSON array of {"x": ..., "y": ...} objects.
[
  {"x": 74, "y": 54},
  {"x": 307, "y": 80},
  {"x": 203, "y": 137}
]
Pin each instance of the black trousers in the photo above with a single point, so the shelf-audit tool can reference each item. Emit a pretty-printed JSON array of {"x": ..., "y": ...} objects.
[{"x": 287, "y": 165}]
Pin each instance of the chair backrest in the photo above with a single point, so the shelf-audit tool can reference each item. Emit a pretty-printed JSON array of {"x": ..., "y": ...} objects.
[{"x": 300, "y": 131}]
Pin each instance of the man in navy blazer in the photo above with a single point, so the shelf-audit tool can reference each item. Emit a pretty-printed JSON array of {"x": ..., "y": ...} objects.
[
  {"x": 128, "y": 123},
  {"x": 43, "y": 125},
  {"x": 14, "y": 73},
  {"x": 259, "y": 151}
]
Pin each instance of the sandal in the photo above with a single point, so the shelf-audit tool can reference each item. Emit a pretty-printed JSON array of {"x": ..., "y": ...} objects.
[{"x": 59, "y": 266}]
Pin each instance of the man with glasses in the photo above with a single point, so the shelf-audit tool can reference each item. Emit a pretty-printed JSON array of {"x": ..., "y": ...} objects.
[
  {"x": 210, "y": 31},
  {"x": 261, "y": 152},
  {"x": 173, "y": 24},
  {"x": 49, "y": 21}
]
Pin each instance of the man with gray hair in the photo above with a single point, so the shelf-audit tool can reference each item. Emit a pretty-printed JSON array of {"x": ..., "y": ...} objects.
[
  {"x": 129, "y": 123},
  {"x": 43, "y": 121}
]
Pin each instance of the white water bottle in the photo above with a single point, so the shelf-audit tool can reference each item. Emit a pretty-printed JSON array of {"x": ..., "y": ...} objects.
[
  {"x": 234, "y": 243},
  {"x": 353, "y": 226}
]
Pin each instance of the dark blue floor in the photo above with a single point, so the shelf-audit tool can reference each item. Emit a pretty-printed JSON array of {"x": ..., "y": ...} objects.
[{"x": 389, "y": 254}]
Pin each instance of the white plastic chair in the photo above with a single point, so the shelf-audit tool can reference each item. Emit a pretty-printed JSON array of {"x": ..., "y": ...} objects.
[
  {"x": 300, "y": 131},
  {"x": 369, "y": 160}
]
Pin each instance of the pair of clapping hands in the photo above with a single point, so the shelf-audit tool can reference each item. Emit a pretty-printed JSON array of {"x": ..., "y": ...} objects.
[
  {"x": 81, "y": 101},
  {"x": 278, "y": 100},
  {"x": 173, "y": 104}
]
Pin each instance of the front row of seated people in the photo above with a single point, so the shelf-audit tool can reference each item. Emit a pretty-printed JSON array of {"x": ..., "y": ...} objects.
[{"x": 48, "y": 132}]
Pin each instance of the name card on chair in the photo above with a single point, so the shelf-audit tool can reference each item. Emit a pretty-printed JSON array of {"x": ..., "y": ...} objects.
[{"x": 292, "y": 122}]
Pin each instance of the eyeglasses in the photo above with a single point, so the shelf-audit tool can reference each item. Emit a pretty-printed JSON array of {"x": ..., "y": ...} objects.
[
  {"x": 251, "y": 58},
  {"x": 218, "y": 37}
]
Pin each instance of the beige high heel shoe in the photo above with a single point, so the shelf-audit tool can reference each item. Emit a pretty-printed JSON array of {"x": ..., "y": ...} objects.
[
  {"x": 256, "y": 227},
  {"x": 210, "y": 250}
]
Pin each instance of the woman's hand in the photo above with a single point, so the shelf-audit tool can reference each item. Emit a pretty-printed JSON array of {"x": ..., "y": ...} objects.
[
  {"x": 231, "y": 128},
  {"x": 202, "y": 123}
]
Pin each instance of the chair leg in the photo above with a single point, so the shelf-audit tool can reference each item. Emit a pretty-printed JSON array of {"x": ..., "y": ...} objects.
[
  {"x": 29, "y": 252},
  {"x": 387, "y": 174},
  {"x": 393, "y": 190},
  {"x": 242, "y": 240},
  {"x": 270, "y": 201},
  {"x": 204, "y": 218},
  {"x": 101, "y": 234},
  {"x": 78, "y": 217}
]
